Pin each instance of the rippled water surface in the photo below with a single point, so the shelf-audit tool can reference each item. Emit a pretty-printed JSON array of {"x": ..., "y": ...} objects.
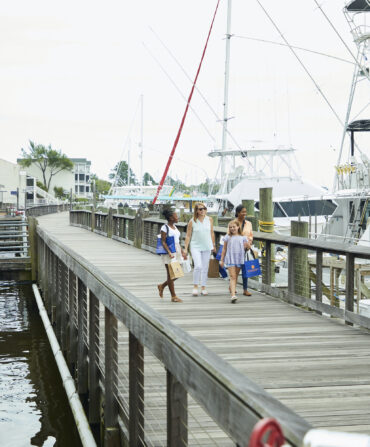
[{"x": 33, "y": 407}]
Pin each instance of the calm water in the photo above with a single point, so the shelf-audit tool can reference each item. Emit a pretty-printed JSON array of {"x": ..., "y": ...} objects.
[{"x": 33, "y": 407}]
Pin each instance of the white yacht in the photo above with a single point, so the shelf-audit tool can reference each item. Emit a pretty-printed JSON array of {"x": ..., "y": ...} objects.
[{"x": 341, "y": 214}]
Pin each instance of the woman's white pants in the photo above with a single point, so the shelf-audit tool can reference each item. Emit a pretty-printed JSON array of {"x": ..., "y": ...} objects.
[{"x": 201, "y": 264}]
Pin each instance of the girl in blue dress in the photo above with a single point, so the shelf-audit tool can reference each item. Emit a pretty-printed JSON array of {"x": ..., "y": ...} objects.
[{"x": 233, "y": 254}]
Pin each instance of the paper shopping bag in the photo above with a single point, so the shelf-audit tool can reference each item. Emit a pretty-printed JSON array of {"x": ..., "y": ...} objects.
[
  {"x": 186, "y": 266},
  {"x": 213, "y": 269},
  {"x": 175, "y": 270}
]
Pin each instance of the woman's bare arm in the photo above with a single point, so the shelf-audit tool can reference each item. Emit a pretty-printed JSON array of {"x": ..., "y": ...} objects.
[
  {"x": 188, "y": 235},
  {"x": 223, "y": 254},
  {"x": 212, "y": 234},
  {"x": 164, "y": 243}
]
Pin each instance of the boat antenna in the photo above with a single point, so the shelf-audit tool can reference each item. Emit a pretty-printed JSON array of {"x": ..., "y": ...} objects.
[
  {"x": 186, "y": 110},
  {"x": 141, "y": 138},
  {"x": 340, "y": 37},
  {"x": 115, "y": 180},
  {"x": 215, "y": 114},
  {"x": 226, "y": 89},
  {"x": 272, "y": 42},
  {"x": 180, "y": 92},
  {"x": 301, "y": 63}
]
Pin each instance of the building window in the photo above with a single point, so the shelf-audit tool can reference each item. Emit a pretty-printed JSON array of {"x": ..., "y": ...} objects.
[
  {"x": 82, "y": 188},
  {"x": 81, "y": 177},
  {"x": 87, "y": 189},
  {"x": 76, "y": 188},
  {"x": 87, "y": 178},
  {"x": 76, "y": 177}
]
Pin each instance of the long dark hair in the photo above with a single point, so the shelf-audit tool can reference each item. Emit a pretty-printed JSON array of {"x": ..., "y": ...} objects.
[{"x": 238, "y": 209}]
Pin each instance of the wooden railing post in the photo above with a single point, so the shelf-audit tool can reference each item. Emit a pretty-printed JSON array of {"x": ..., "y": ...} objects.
[
  {"x": 138, "y": 236},
  {"x": 350, "y": 282},
  {"x": 301, "y": 275},
  {"x": 291, "y": 269},
  {"x": 63, "y": 306},
  {"x": 110, "y": 222},
  {"x": 177, "y": 413},
  {"x": 136, "y": 392},
  {"x": 266, "y": 277},
  {"x": 111, "y": 431},
  {"x": 319, "y": 277},
  {"x": 72, "y": 297},
  {"x": 52, "y": 282},
  {"x": 32, "y": 235},
  {"x": 94, "y": 395},
  {"x": 58, "y": 298},
  {"x": 82, "y": 374}
]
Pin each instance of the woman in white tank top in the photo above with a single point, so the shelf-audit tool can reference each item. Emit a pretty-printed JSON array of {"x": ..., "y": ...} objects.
[{"x": 201, "y": 238}]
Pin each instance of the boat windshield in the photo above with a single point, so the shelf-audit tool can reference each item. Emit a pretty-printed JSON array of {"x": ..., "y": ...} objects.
[
  {"x": 303, "y": 208},
  {"x": 309, "y": 208}
]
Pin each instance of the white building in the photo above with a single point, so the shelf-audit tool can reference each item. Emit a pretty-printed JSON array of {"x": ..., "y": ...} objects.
[
  {"x": 78, "y": 179},
  {"x": 12, "y": 180}
]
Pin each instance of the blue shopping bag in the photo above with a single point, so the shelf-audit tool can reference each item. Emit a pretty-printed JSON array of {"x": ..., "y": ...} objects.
[
  {"x": 170, "y": 241},
  {"x": 223, "y": 272},
  {"x": 251, "y": 267},
  {"x": 219, "y": 253}
]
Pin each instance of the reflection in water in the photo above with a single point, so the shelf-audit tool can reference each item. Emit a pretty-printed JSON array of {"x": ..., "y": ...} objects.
[{"x": 33, "y": 407}]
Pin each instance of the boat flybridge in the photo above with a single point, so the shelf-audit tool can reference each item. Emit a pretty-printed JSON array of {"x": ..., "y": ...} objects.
[{"x": 278, "y": 169}]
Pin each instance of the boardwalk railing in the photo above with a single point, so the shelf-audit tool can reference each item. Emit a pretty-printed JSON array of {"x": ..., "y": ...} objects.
[
  {"x": 145, "y": 379},
  {"x": 41, "y": 210},
  {"x": 309, "y": 272}
]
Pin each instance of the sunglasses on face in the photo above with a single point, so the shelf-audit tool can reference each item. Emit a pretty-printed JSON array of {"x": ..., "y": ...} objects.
[{"x": 201, "y": 209}]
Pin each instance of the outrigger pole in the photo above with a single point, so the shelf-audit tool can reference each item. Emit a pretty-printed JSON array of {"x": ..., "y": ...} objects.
[{"x": 185, "y": 113}]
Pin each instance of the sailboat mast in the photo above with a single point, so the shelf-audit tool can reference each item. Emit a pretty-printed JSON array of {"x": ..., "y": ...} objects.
[
  {"x": 129, "y": 163},
  {"x": 141, "y": 140},
  {"x": 226, "y": 90}
]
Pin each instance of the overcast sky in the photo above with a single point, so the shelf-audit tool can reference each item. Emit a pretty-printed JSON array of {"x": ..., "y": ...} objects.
[{"x": 72, "y": 72}]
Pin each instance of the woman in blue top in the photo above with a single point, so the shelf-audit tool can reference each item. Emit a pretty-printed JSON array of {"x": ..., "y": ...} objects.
[
  {"x": 232, "y": 256},
  {"x": 201, "y": 238}
]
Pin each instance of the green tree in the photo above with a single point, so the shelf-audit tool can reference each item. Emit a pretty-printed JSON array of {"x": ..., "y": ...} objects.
[
  {"x": 121, "y": 170},
  {"x": 101, "y": 186},
  {"x": 50, "y": 161},
  {"x": 41, "y": 185},
  {"x": 208, "y": 186},
  {"x": 60, "y": 193},
  {"x": 148, "y": 179}
]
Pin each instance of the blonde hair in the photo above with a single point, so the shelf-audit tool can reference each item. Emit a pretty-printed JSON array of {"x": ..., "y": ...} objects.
[
  {"x": 196, "y": 206},
  {"x": 237, "y": 223}
]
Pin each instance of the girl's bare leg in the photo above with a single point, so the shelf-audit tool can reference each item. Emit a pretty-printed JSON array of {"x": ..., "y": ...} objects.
[{"x": 232, "y": 274}]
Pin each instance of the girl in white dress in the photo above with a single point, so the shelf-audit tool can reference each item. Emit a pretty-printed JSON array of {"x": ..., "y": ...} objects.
[{"x": 170, "y": 230}]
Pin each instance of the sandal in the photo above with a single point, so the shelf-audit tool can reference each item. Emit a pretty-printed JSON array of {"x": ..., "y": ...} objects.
[
  {"x": 160, "y": 290},
  {"x": 176, "y": 299}
]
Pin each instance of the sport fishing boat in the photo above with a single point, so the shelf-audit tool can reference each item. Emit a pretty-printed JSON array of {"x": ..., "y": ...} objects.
[{"x": 341, "y": 214}]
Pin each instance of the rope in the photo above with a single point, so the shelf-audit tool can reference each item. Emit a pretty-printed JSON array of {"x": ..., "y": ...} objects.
[
  {"x": 266, "y": 224},
  {"x": 301, "y": 63},
  {"x": 185, "y": 113}
]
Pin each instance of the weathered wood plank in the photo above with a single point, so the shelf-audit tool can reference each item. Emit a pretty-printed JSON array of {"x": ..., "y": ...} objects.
[{"x": 288, "y": 351}]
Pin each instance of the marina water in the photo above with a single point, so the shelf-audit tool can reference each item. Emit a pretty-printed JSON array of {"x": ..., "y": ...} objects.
[{"x": 34, "y": 409}]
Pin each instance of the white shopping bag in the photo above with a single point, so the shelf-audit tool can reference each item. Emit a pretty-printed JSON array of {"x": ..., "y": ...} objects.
[{"x": 186, "y": 265}]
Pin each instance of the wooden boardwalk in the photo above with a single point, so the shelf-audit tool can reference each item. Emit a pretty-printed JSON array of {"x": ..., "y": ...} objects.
[{"x": 316, "y": 366}]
